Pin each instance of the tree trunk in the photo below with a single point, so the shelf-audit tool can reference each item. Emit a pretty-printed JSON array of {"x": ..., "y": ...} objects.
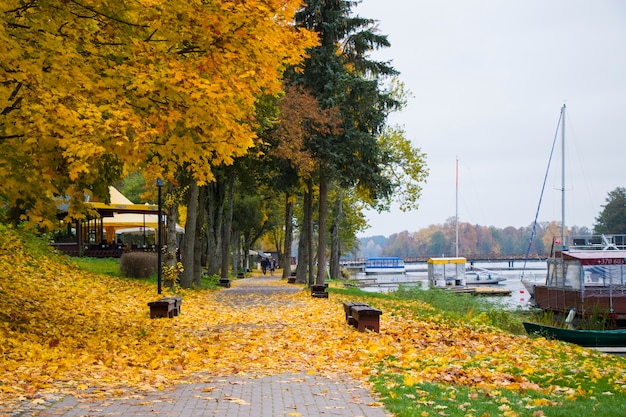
[
  {"x": 247, "y": 246},
  {"x": 310, "y": 235},
  {"x": 335, "y": 249},
  {"x": 171, "y": 257},
  {"x": 285, "y": 261},
  {"x": 237, "y": 260},
  {"x": 200, "y": 236},
  {"x": 186, "y": 278},
  {"x": 321, "y": 232},
  {"x": 278, "y": 242},
  {"x": 215, "y": 204},
  {"x": 304, "y": 243},
  {"x": 227, "y": 224}
]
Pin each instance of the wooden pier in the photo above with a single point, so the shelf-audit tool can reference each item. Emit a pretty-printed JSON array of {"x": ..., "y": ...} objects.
[
  {"x": 416, "y": 264},
  {"x": 482, "y": 290}
]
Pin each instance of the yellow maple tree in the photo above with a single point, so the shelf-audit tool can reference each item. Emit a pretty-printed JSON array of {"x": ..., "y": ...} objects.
[{"x": 88, "y": 88}]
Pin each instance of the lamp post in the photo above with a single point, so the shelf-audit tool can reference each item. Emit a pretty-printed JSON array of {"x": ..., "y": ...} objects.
[{"x": 159, "y": 184}]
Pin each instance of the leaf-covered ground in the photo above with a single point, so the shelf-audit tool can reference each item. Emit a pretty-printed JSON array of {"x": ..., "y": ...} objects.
[{"x": 63, "y": 330}]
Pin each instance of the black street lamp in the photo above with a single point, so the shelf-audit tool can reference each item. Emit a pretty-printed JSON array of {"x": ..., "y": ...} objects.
[{"x": 159, "y": 184}]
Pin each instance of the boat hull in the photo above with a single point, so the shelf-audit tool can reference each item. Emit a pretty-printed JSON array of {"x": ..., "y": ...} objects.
[
  {"x": 587, "y": 338},
  {"x": 595, "y": 300},
  {"x": 483, "y": 281},
  {"x": 530, "y": 285},
  {"x": 384, "y": 271}
]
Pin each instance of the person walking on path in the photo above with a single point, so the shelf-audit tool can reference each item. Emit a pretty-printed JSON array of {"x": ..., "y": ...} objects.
[{"x": 272, "y": 265}]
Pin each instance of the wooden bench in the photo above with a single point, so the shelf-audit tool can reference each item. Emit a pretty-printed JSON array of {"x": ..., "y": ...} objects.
[
  {"x": 347, "y": 306},
  {"x": 363, "y": 316},
  {"x": 165, "y": 307},
  {"x": 319, "y": 291}
]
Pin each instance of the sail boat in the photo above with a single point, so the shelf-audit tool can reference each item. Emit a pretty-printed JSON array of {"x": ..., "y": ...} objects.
[
  {"x": 473, "y": 275},
  {"x": 530, "y": 281},
  {"x": 586, "y": 274}
]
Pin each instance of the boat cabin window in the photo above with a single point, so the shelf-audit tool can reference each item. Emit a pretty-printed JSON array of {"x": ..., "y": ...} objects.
[
  {"x": 604, "y": 275},
  {"x": 572, "y": 275},
  {"x": 555, "y": 272},
  {"x": 442, "y": 275},
  {"x": 564, "y": 274}
]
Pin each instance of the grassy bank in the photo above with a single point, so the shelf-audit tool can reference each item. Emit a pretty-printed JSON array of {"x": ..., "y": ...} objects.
[{"x": 469, "y": 366}]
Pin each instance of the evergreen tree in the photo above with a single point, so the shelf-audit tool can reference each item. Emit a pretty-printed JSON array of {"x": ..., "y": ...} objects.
[
  {"x": 612, "y": 219},
  {"x": 340, "y": 74}
]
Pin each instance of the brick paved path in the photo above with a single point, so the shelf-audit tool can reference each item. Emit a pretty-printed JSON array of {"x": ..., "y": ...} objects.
[
  {"x": 289, "y": 395},
  {"x": 272, "y": 396}
]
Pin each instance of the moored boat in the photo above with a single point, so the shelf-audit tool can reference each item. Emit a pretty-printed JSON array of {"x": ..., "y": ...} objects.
[
  {"x": 591, "y": 280},
  {"x": 587, "y": 338},
  {"x": 483, "y": 277},
  {"x": 529, "y": 282},
  {"x": 384, "y": 265},
  {"x": 585, "y": 273}
]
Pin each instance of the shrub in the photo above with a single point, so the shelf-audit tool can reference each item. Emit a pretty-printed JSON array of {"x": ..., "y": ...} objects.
[
  {"x": 138, "y": 264},
  {"x": 171, "y": 273}
]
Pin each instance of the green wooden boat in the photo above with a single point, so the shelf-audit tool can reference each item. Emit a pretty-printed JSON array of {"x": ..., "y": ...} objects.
[{"x": 587, "y": 338}]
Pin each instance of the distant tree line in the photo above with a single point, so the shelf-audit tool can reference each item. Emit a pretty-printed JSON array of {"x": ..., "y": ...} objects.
[{"x": 440, "y": 240}]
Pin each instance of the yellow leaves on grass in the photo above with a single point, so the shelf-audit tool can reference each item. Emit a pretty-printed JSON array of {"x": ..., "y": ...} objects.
[
  {"x": 542, "y": 402},
  {"x": 67, "y": 330}
]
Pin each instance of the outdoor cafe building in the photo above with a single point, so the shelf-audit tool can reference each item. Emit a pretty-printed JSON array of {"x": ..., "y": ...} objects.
[{"x": 122, "y": 226}]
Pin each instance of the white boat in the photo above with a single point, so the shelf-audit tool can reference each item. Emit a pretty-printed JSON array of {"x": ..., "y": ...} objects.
[
  {"x": 384, "y": 265},
  {"x": 453, "y": 272},
  {"x": 482, "y": 276},
  {"x": 529, "y": 281}
]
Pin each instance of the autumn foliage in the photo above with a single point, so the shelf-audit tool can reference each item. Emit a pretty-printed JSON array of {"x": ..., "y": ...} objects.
[
  {"x": 68, "y": 331},
  {"x": 90, "y": 88}
]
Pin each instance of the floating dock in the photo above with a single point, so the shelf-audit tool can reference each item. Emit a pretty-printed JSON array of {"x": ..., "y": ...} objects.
[{"x": 482, "y": 290}]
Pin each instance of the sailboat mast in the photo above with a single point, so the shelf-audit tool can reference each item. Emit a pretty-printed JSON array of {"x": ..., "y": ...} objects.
[
  {"x": 456, "y": 212},
  {"x": 563, "y": 246}
]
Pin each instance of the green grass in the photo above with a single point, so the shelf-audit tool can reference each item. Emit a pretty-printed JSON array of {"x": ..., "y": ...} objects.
[
  {"x": 103, "y": 266},
  {"x": 455, "y": 306},
  {"x": 429, "y": 399},
  {"x": 111, "y": 267},
  {"x": 580, "y": 390}
]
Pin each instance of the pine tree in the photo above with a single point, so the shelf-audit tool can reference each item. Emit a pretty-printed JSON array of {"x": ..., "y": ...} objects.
[
  {"x": 612, "y": 219},
  {"x": 340, "y": 73}
]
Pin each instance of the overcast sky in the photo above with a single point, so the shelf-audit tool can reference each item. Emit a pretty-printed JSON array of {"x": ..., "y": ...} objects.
[{"x": 488, "y": 79}]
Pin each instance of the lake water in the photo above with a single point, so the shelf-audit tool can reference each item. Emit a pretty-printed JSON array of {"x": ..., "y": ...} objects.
[{"x": 417, "y": 275}]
